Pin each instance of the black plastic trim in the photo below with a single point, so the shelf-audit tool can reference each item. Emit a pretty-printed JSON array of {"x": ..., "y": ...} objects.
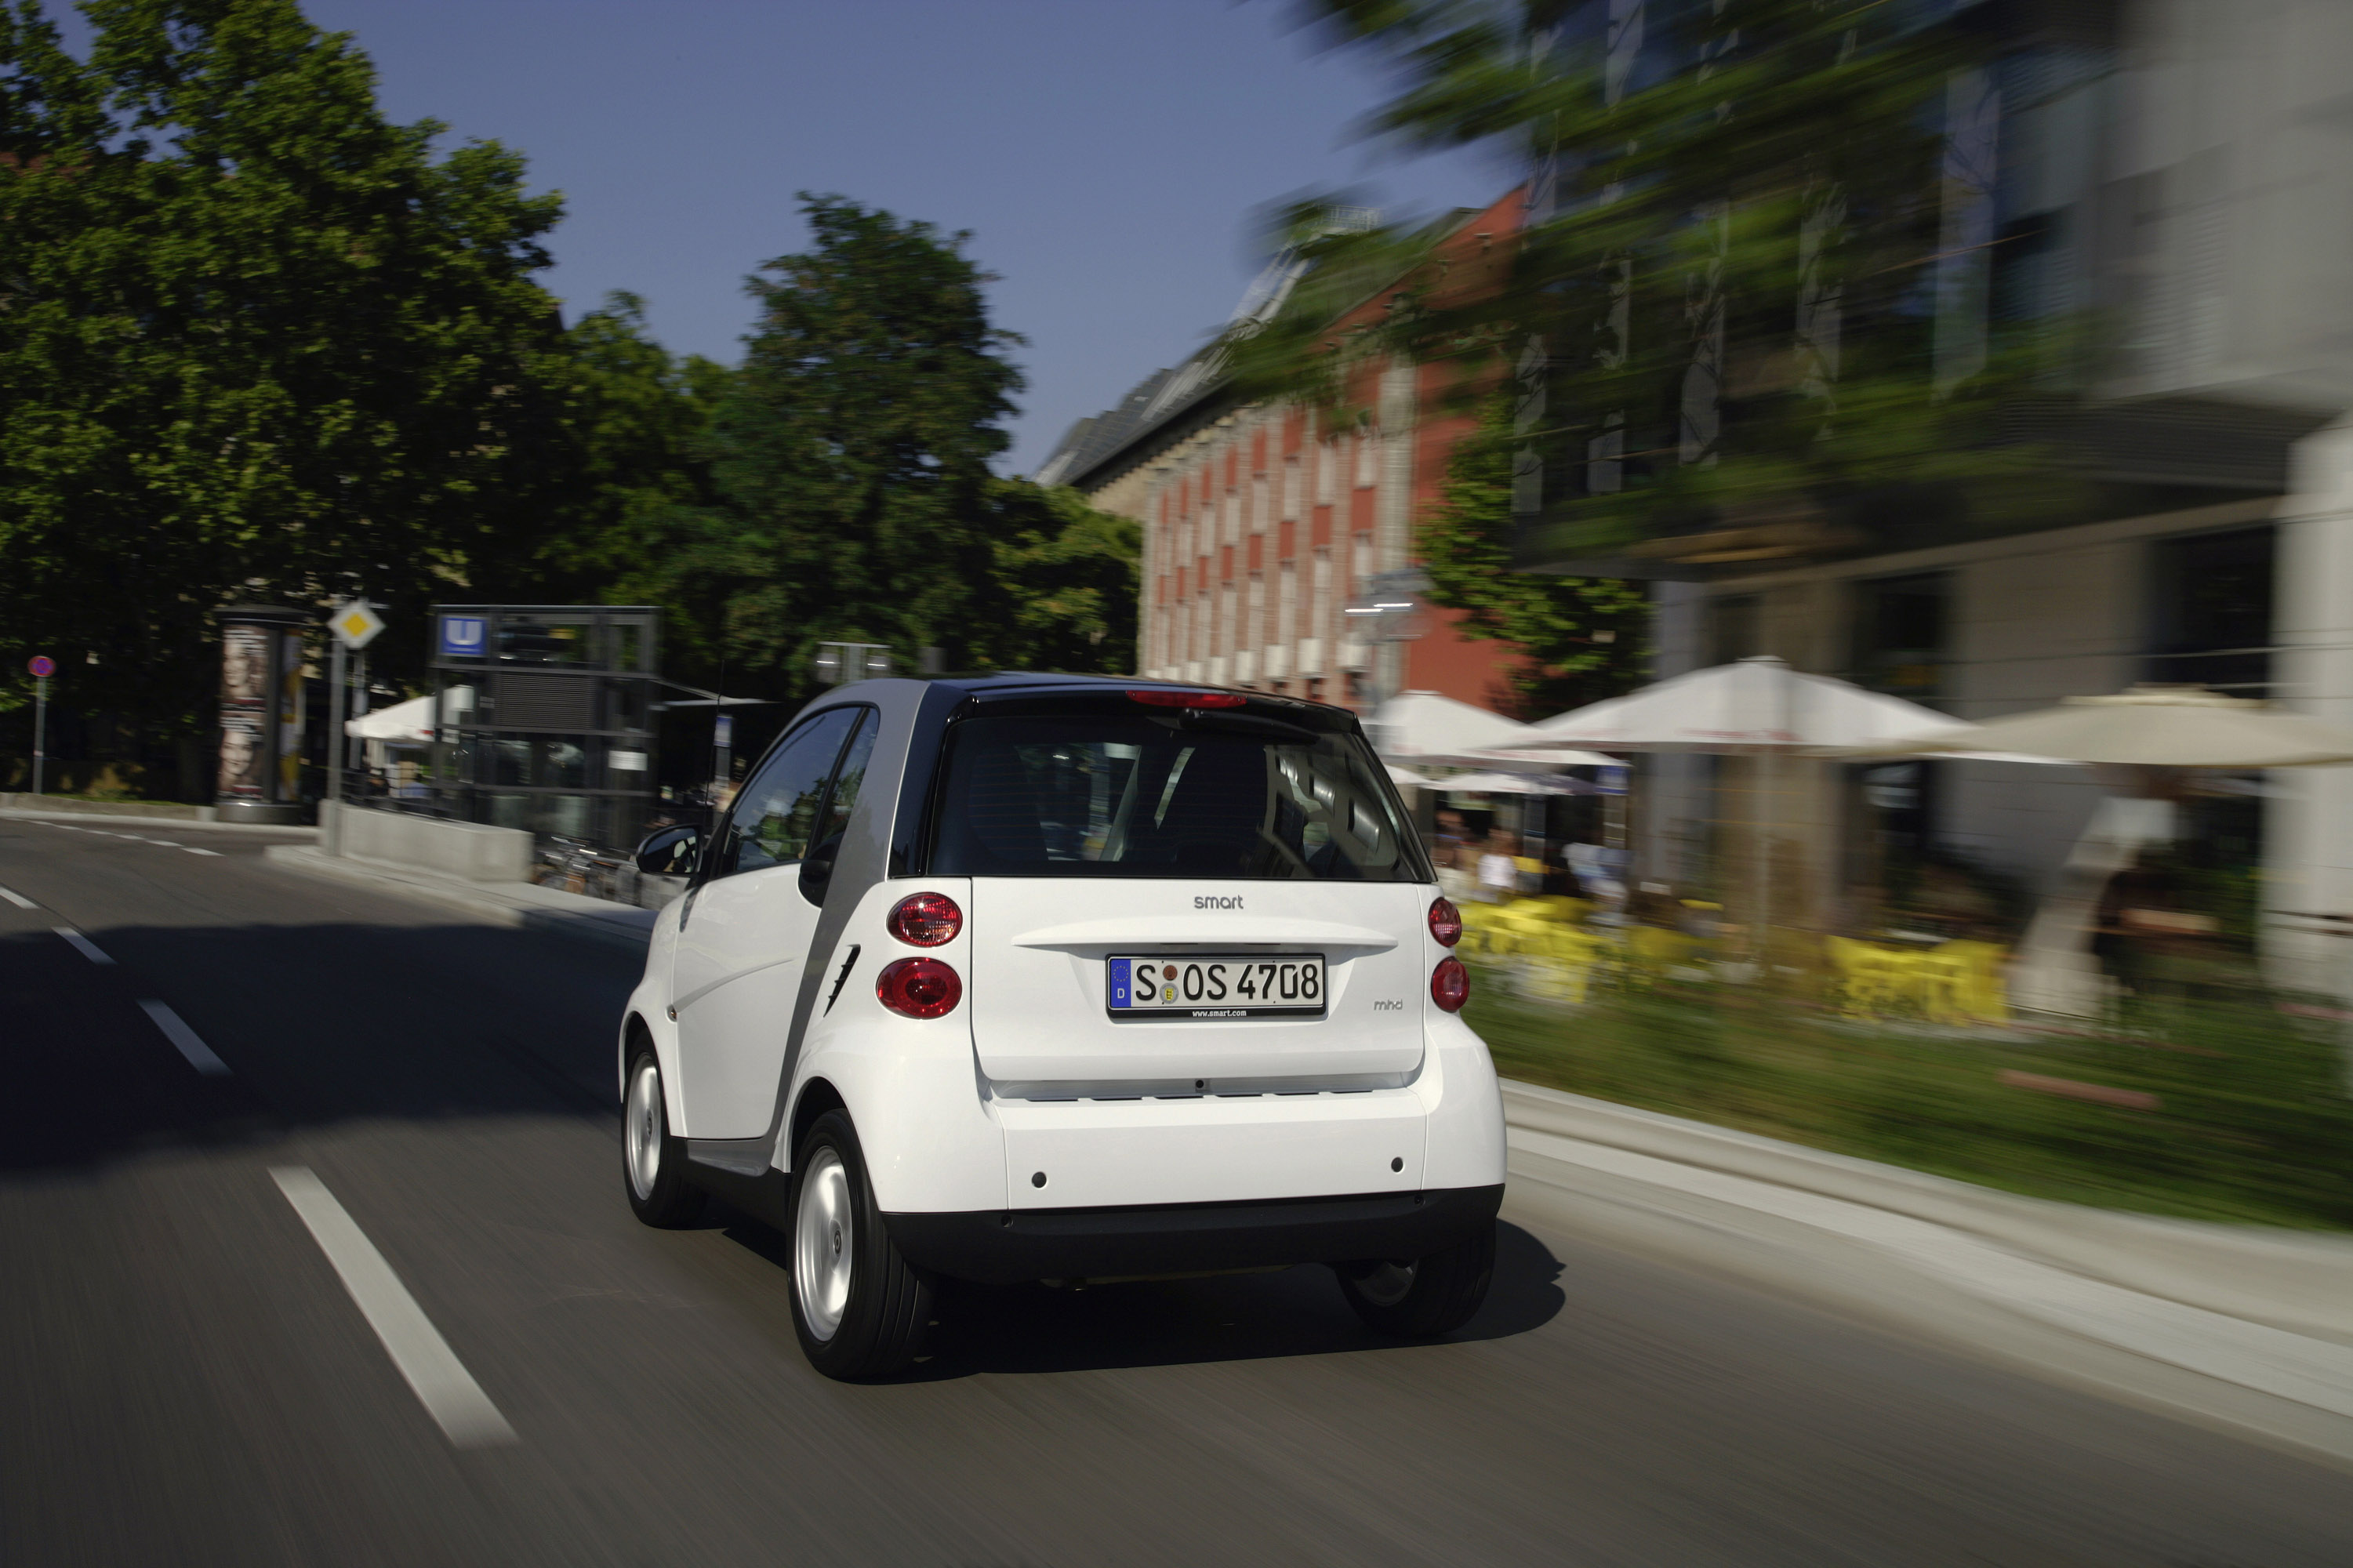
[{"x": 1008, "y": 1247}]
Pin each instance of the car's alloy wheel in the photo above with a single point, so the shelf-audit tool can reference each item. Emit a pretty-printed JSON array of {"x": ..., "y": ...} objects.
[
  {"x": 824, "y": 1237},
  {"x": 860, "y": 1309},
  {"x": 1419, "y": 1297},
  {"x": 653, "y": 1161}
]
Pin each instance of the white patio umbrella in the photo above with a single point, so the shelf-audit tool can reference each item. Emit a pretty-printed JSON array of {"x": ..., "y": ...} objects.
[
  {"x": 2151, "y": 726},
  {"x": 1515, "y": 783},
  {"x": 1757, "y": 706},
  {"x": 409, "y": 720},
  {"x": 1423, "y": 727}
]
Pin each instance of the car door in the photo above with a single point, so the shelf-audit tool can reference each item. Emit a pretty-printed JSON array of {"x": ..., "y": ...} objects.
[{"x": 743, "y": 936}]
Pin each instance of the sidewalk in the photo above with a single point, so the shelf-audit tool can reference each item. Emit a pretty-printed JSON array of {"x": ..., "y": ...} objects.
[
  {"x": 2239, "y": 1326},
  {"x": 524, "y": 904}
]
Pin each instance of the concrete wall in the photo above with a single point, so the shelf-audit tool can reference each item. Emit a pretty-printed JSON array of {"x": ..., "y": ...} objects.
[
  {"x": 2309, "y": 823},
  {"x": 466, "y": 850}
]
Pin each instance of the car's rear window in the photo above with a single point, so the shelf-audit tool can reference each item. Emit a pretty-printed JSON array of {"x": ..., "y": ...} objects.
[{"x": 1118, "y": 794}]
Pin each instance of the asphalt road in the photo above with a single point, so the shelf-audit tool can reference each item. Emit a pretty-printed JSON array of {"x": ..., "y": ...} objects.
[{"x": 185, "y": 1378}]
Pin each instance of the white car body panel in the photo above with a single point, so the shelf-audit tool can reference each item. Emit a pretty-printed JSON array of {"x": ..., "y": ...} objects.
[
  {"x": 735, "y": 978},
  {"x": 956, "y": 1116},
  {"x": 1038, "y": 990}
]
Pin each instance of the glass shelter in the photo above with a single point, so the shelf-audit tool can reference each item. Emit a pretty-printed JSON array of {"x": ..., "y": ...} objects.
[{"x": 543, "y": 717}]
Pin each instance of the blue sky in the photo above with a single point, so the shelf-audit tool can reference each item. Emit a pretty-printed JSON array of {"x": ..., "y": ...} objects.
[{"x": 1107, "y": 154}]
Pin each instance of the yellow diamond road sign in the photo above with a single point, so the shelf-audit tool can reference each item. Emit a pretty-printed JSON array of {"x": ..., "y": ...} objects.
[{"x": 356, "y": 624}]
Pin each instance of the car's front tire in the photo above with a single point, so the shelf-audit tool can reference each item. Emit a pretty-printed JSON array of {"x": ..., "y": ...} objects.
[
  {"x": 653, "y": 1160},
  {"x": 1419, "y": 1297},
  {"x": 860, "y": 1309}
]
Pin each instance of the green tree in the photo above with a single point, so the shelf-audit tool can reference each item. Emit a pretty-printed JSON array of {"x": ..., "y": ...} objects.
[
  {"x": 1069, "y": 579},
  {"x": 256, "y": 341},
  {"x": 1584, "y": 636},
  {"x": 635, "y": 467},
  {"x": 1721, "y": 318},
  {"x": 852, "y": 499},
  {"x": 852, "y": 448}
]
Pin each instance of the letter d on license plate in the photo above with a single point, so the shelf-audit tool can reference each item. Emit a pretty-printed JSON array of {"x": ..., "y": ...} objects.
[{"x": 1237, "y": 985}]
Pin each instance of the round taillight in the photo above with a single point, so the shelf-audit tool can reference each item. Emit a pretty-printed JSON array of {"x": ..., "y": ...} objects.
[
  {"x": 926, "y": 920},
  {"x": 1449, "y": 983},
  {"x": 918, "y": 987},
  {"x": 1445, "y": 922}
]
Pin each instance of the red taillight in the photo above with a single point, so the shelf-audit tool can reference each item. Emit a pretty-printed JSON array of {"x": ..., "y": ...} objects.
[
  {"x": 1445, "y": 922},
  {"x": 918, "y": 987},
  {"x": 926, "y": 920},
  {"x": 1189, "y": 699},
  {"x": 1449, "y": 984}
]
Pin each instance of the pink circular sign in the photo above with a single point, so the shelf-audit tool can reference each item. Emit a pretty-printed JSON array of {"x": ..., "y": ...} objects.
[{"x": 43, "y": 666}]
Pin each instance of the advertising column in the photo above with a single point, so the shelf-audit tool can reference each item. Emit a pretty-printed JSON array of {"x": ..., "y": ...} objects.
[{"x": 260, "y": 714}]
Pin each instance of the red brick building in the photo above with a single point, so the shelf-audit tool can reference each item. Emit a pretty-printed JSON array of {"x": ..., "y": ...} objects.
[{"x": 1260, "y": 529}]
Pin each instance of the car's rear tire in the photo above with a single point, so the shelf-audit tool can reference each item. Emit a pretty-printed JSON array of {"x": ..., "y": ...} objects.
[
  {"x": 860, "y": 1309},
  {"x": 1419, "y": 1297},
  {"x": 653, "y": 1159}
]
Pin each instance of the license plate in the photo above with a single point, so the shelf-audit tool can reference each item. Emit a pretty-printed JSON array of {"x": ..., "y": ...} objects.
[{"x": 1240, "y": 985}]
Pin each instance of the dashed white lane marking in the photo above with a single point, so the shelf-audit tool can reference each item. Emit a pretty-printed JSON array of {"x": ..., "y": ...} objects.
[
  {"x": 17, "y": 898},
  {"x": 191, "y": 849},
  {"x": 83, "y": 944},
  {"x": 175, "y": 1029},
  {"x": 447, "y": 1391},
  {"x": 168, "y": 843}
]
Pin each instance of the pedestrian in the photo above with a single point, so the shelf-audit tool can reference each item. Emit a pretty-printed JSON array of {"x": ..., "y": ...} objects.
[{"x": 1499, "y": 870}]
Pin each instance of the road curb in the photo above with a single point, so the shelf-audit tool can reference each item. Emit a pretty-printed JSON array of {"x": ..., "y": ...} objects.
[
  {"x": 517, "y": 904},
  {"x": 193, "y": 824},
  {"x": 2297, "y": 1280}
]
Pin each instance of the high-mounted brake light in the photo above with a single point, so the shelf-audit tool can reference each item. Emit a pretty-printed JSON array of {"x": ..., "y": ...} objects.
[
  {"x": 926, "y": 920},
  {"x": 1449, "y": 983},
  {"x": 919, "y": 988},
  {"x": 1445, "y": 922},
  {"x": 1189, "y": 699}
]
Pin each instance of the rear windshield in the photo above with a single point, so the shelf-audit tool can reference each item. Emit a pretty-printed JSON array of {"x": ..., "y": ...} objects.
[{"x": 1117, "y": 794}]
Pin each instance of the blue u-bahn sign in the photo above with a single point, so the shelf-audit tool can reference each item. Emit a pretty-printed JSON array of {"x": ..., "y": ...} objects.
[{"x": 464, "y": 636}]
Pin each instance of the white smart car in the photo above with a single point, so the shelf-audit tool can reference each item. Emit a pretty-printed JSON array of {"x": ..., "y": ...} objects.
[{"x": 1064, "y": 978}]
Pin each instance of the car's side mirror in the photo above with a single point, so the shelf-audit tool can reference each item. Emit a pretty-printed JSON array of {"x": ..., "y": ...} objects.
[{"x": 669, "y": 851}]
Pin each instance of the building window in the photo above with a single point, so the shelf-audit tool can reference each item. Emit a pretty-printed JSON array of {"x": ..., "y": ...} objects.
[
  {"x": 1899, "y": 635},
  {"x": 2212, "y": 620}
]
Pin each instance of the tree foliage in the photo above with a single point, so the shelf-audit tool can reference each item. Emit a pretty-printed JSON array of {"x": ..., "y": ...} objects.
[
  {"x": 1584, "y": 636},
  {"x": 851, "y": 496},
  {"x": 256, "y": 341},
  {"x": 1722, "y": 313}
]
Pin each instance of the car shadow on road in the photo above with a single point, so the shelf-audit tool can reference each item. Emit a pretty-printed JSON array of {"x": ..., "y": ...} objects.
[{"x": 1297, "y": 1311}]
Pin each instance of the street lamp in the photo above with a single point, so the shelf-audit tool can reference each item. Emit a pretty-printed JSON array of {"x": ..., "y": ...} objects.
[
  {"x": 838, "y": 663},
  {"x": 1391, "y": 611}
]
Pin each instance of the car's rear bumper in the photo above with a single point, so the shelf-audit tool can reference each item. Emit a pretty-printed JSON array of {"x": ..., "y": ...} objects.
[{"x": 1008, "y": 1246}]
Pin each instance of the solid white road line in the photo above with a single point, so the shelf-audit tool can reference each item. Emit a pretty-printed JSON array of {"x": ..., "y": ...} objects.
[
  {"x": 175, "y": 1029},
  {"x": 192, "y": 850},
  {"x": 83, "y": 944},
  {"x": 17, "y": 898},
  {"x": 448, "y": 1392}
]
